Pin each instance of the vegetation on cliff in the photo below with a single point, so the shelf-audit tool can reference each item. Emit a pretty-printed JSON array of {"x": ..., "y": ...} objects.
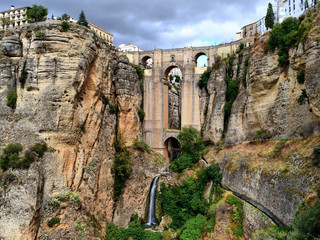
[
  {"x": 122, "y": 166},
  {"x": 191, "y": 145}
]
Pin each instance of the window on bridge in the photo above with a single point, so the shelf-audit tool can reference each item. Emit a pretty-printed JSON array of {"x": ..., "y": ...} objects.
[
  {"x": 201, "y": 60},
  {"x": 147, "y": 62},
  {"x": 172, "y": 102},
  {"x": 171, "y": 148}
]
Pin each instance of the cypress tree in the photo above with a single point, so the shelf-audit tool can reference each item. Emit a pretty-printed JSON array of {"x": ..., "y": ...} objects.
[
  {"x": 82, "y": 20},
  {"x": 269, "y": 17}
]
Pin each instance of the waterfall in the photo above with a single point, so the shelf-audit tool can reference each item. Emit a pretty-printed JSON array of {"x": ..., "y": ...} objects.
[{"x": 151, "y": 219}]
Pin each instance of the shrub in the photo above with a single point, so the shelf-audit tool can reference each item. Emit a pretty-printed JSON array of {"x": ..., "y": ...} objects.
[
  {"x": 262, "y": 135},
  {"x": 307, "y": 224},
  {"x": 139, "y": 71},
  {"x": 23, "y": 77},
  {"x": 141, "y": 114},
  {"x": 303, "y": 97},
  {"x": 40, "y": 34},
  {"x": 10, "y": 156},
  {"x": 245, "y": 71},
  {"x": 65, "y": 26},
  {"x": 182, "y": 162},
  {"x": 12, "y": 99},
  {"x": 211, "y": 173},
  {"x": 183, "y": 202},
  {"x": 237, "y": 215},
  {"x": 53, "y": 221},
  {"x": 40, "y": 148},
  {"x": 142, "y": 146},
  {"x": 28, "y": 158},
  {"x": 193, "y": 228},
  {"x": 283, "y": 36},
  {"x": 231, "y": 95},
  {"x": 134, "y": 232},
  {"x": 316, "y": 156},
  {"x": 301, "y": 77},
  {"x": 105, "y": 100},
  {"x": 122, "y": 166},
  {"x": 191, "y": 142},
  {"x": 203, "y": 82},
  {"x": 113, "y": 109}
]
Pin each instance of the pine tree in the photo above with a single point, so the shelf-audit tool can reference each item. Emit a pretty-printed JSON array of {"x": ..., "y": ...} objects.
[
  {"x": 269, "y": 17},
  {"x": 82, "y": 20},
  {"x": 306, "y": 4}
]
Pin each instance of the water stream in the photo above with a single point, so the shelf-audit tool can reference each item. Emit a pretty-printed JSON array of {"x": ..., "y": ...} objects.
[{"x": 151, "y": 218}]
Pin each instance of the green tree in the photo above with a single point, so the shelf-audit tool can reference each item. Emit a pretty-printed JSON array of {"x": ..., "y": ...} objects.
[
  {"x": 65, "y": 17},
  {"x": 306, "y": 4},
  {"x": 5, "y": 21},
  {"x": 37, "y": 13},
  {"x": 82, "y": 20},
  {"x": 270, "y": 17}
]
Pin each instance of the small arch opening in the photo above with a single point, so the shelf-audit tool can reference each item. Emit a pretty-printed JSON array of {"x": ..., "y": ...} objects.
[
  {"x": 147, "y": 62},
  {"x": 201, "y": 60},
  {"x": 172, "y": 98},
  {"x": 171, "y": 148}
]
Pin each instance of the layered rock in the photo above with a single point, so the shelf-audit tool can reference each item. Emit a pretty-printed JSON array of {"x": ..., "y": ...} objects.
[{"x": 68, "y": 86}]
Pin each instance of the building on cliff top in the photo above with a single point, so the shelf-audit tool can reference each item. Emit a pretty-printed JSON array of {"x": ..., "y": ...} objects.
[
  {"x": 129, "y": 48},
  {"x": 13, "y": 18}
]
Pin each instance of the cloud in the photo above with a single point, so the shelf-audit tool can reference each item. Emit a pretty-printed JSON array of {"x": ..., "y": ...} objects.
[{"x": 161, "y": 24}]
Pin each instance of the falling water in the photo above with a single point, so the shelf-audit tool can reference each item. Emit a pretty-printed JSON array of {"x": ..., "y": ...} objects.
[{"x": 151, "y": 219}]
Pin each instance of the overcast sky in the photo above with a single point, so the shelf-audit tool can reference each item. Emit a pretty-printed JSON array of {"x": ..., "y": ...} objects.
[{"x": 160, "y": 23}]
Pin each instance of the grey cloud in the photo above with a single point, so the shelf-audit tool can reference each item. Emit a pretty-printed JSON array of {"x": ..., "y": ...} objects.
[{"x": 144, "y": 22}]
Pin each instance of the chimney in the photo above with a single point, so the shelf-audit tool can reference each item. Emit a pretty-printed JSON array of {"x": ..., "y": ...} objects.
[{"x": 12, "y": 7}]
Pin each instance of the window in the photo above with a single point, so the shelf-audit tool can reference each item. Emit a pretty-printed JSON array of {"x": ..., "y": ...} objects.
[
  {"x": 290, "y": 9},
  {"x": 294, "y": 7}
]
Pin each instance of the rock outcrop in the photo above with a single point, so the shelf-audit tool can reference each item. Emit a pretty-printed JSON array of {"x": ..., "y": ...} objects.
[{"x": 75, "y": 94}]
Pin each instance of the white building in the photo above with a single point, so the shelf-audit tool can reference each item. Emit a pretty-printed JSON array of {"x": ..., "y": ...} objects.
[
  {"x": 129, "y": 48},
  {"x": 294, "y": 8},
  {"x": 13, "y": 17}
]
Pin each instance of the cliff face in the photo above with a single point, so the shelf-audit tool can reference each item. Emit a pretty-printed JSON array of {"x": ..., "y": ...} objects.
[
  {"x": 68, "y": 86},
  {"x": 269, "y": 101}
]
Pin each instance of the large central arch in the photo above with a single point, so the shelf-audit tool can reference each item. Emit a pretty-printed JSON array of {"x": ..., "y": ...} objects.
[{"x": 171, "y": 148}]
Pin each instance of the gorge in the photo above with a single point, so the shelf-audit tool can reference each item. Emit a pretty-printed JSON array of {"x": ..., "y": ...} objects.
[{"x": 88, "y": 110}]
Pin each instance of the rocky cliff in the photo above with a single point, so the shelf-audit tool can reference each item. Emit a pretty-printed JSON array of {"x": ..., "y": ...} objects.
[
  {"x": 75, "y": 94},
  {"x": 267, "y": 99}
]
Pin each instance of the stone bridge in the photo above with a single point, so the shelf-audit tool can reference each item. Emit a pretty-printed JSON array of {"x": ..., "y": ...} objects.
[{"x": 156, "y": 88}]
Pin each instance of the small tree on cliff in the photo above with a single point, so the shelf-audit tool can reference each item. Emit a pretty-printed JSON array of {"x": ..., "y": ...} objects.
[
  {"x": 37, "y": 13},
  {"x": 82, "y": 20},
  {"x": 270, "y": 17}
]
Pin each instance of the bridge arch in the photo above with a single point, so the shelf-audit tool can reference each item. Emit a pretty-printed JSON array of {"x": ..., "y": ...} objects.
[
  {"x": 171, "y": 148},
  {"x": 201, "y": 59},
  {"x": 147, "y": 61}
]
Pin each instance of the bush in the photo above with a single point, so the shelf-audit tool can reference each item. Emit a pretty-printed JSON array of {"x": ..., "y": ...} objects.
[
  {"x": 203, "y": 82},
  {"x": 134, "y": 232},
  {"x": 40, "y": 148},
  {"x": 191, "y": 142},
  {"x": 113, "y": 109},
  {"x": 307, "y": 225},
  {"x": 301, "y": 77},
  {"x": 182, "y": 162},
  {"x": 141, "y": 114},
  {"x": 142, "y": 146},
  {"x": 65, "y": 26},
  {"x": 237, "y": 215},
  {"x": 193, "y": 228},
  {"x": 277, "y": 149},
  {"x": 28, "y": 158},
  {"x": 316, "y": 156},
  {"x": 245, "y": 71},
  {"x": 262, "y": 135},
  {"x": 303, "y": 97},
  {"x": 53, "y": 221},
  {"x": 231, "y": 95},
  {"x": 211, "y": 173},
  {"x": 183, "y": 202},
  {"x": 12, "y": 99},
  {"x": 40, "y": 34},
  {"x": 10, "y": 156},
  {"x": 283, "y": 36},
  {"x": 122, "y": 165},
  {"x": 139, "y": 71},
  {"x": 23, "y": 77}
]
